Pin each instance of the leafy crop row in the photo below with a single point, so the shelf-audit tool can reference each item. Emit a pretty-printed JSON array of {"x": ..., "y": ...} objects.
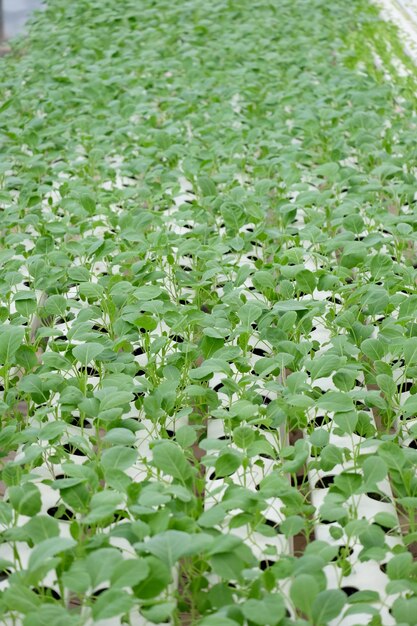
[{"x": 208, "y": 339}]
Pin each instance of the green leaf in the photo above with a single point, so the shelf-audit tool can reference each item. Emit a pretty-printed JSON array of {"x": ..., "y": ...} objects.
[
  {"x": 50, "y": 615},
  {"x": 148, "y": 292},
  {"x": 103, "y": 504},
  {"x": 76, "y": 578},
  {"x": 303, "y": 593},
  {"x": 380, "y": 265},
  {"x": 159, "y": 612},
  {"x": 217, "y": 620},
  {"x": 120, "y": 436},
  {"x": 374, "y": 470},
  {"x": 101, "y": 563},
  {"x": 87, "y": 352},
  {"x": 226, "y": 464},
  {"x": 91, "y": 291},
  {"x": 33, "y": 385},
  {"x": 243, "y": 436},
  {"x": 387, "y": 385},
  {"x": 373, "y": 536},
  {"x": 319, "y": 437},
  {"x": 346, "y": 421},
  {"x": 268, "y": 611},
  {"x": 111, "y": 399},
  {"x": 11, "y": 338},
  {"x": 293, "y": 305},
  {"x": 170, "y": 459},
  {"x": 405, "y": 611},
  {"x": 169, "y": 546},
  {"x": 129, "y": 573},
  {"x": 344, "y": 379},
  {"x": 55, "y": 305},
  {"x": 118, "y": 457},
  {"x": 42, "y": 527},
  {"x": 322, "y": 366},
  {"x": 399, "y": 567},
  {"x": 292, "y": 525},
  {"x": 26, "y": 499},
  {"x": 327, "y": 605},
  {"x": 335, "y": 401},
  {"x": 207, "y": 186},
  {"x": 410, "y": 351},
  {"x": 26, "y": 357},
  {"x": 186, "y": 436},
  {"x": 88, "y": 203},
  {"x": 111, "y": 603},
  {"x": 306, "y": 281},
  {"x": 410, "y": 406},
  {"x": 47, "y": 549},
  {"x": 249, "y": 313},
  {"x": 374, "y": 349},
  {"x": 20, "y": 598},
  {"x": 264, "y": 281},
  {"x": 159, "y": 577}
]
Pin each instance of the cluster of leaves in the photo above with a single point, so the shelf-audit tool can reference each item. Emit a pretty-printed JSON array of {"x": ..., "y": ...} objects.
[{"x": 208, "y": 305}]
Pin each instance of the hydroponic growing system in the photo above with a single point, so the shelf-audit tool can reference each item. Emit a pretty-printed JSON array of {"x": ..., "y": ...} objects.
[{"x": 208, "y": 339}]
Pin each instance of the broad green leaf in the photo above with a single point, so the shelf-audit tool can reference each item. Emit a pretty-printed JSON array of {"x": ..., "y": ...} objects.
[
  {"x": 404, "y": 611},
  {"x": 217, "y": 620},
  {"x": 336, "y": 401},
  {"x": 207, "y": 186},
  {"x": 11, "y": 337},
  {"x": 303, "y": 592},
  {"x": 51, "y": 615},
  {"x": 372, "y": 536},
  {"x": 292, "y": 525},
  {"x": 111, "y": 603},
  {"x": 55, "y": 305},
  {"x": 159, "y": 613},
  {"x": 20, "y": 598},
  {"x": 47, "y": 549},
  {"x": 87, "y": 352},
  {"x": 319, "y": 437},
  {"x": 119, "y": 457},
  {"x": 400, "y": 566},
  {"x": 171, "y": 545},
  {"x": 243, "y": 436},
  {"x": 410, "y": 406},
  {"x": 374, "y": 470},
  {"x": 101, "y": 563},
  {"x": 42, "y": 527},
  {"x": 306, "y": 281},
  {"x": 129, "y": 573},
  {"x": 387, "y": 385},
  {"x": 264, "y": 281},
  {"x": 249, "y": 313},
  {"x": 346, "y": 421},
  {"x": 227, "y": 464},
  {"x": 76, "y": 578},
  {"x": 410, "y": 351},
  {"x": 103, "y": 504},
  {"x": 323, "y": 366},
  {"x": 26, "y": 499},
  {"x": 148, "y": 292},
  {"x": 327, "y": 605},
  {"x": 170, "y": 459},
  {"x": 186, "y": 436},
  {"x": 268, "y": 611},
  {"x": 158, "y": 578},
  {"x": 374, "y": 349}
]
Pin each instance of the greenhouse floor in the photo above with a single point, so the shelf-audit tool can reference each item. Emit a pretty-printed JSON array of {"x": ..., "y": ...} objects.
[{"x": 208, "y": 315}]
